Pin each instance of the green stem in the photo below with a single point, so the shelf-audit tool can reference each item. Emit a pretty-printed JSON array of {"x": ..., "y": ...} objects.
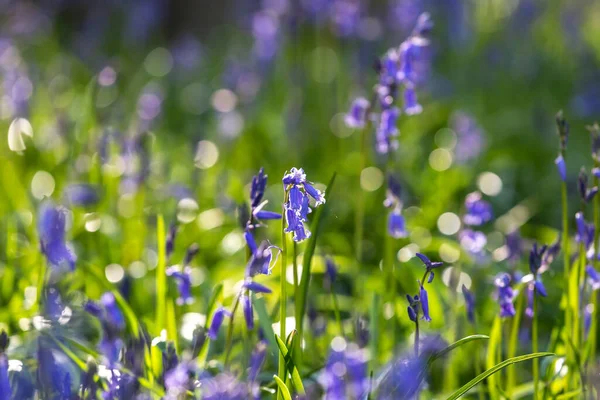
[
  {"x": 512, "y": 342},
  {"x": 336, "y": 310},
  {"x": 417, "y": 337},
  {"x": 567, "y": 274},
  {"x": 360, "y": 199},
  {"x": 534, "y": 334},
  {"x": 283, "y": 297},
  {"x": 229, "y": 340},
  {"x": 593, "y": 327}
]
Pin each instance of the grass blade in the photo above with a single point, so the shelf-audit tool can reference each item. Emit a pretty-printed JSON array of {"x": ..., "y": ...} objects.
[
  {"x": 473, "y": 382},
  {"x": 161, "y": 276},
  {"x": 307, "y": 259},
  {"x": 296, "y": 379},
  {"x": 494, "y": 343},
  {"x": 454, "y": 345},
  {"x": 282, "y": 388}
]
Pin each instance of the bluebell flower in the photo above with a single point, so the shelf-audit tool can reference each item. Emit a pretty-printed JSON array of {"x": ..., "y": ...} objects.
[
  {"x": 429, "y": 265},
  {"x": 81, "y": 194},
  {"x": 561, "y": 166},
  {"x": 535, "y": 258},
  {"x": 180, "y": 380},
  {"x": 260, "y": 256},
  {"x": 51, "y": 228},
  {"x": 477, "y": 210},
  {"x": 248, "y": 311},
  {"x": 593, "y": 277},
  {"x": 473, "y": 241},
  {"x": 393, "y": 193},
  {"x": 469, "y": 303},
  {"x": 217, "y": 321},
  {"x": 529, "y": 308},
  {"x": 52, "y": 372},
  {"x": 550, "y": 254},
  {"x": 587, "y": 319},
  {"x": 296, "y": 206},
  {"x": 585, "y": 231},
  {"x": 223, "y": 386},
  {"x": 387, "y": 132},
  {"x": 424, "y": 299},
  {"x": 397, "y": 224},
  {"x": 184, "y": 284},
  {"x": 5, "y": 390},
  {"x": 345, "y": 373},
  {"x": 505, "y": 295},
  {"x": 170, "y": 240},
  {"x": 257, "y": 191},
  {"x": 113, "y": 323},
  {"x": 413, "y": 307},
  {"x": 361, "y": 332},
  {"x": 513, "y": 244},
  {"x": 357, "y": 116},
  {"x": 190, "y": 253},
  {"x": 595, "y": 136},
  {"x": 470, "y": 137},
  {"x": 330, "y": 272},
  {"x": 257, "y": 359},
  {"x": 411, "y": 106},
  {"x": 586, "y": 194},
  {"x": 388, "y": 67}
]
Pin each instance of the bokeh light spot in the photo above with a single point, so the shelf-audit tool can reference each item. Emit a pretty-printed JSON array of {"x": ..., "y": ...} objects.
[
  {"x": 371, "y": 179},
  {"x": 489, "y": 183},
  {"x": 158, "y": 62},
  {"x": 440, "y": 159},
  {"x": 207, "y": 154},
  {"x": 42, "y": 185},
  {"x": 448, "y": 223}
]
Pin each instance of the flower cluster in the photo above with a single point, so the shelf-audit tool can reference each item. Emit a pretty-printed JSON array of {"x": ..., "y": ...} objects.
[
  {"x": 296, "y": 206},
  {"x": 345, "y": 373},
  {"x": 52, "y": 231},
  {"x": 505, "y": 295}
]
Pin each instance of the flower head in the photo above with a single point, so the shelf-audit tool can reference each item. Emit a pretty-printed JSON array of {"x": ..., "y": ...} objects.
[
  {"x": 505, "y": 295},
  {"x": 52, "y": 231},
  {"x": 81, "y": 194},
  {"x": 387, "y": 132},
  {"x": 424, "y": 303},
  {"x": 345, "y": 372},
  {"x": 563, "y": 130},
  {"x": 469, "y": 303},
  {"x": 257, "y": 191},
  {"x": 217, "y": 321},
  {"x": 561, "y": 166},
  {"x": 586, "y": 194},
  {"x": 397, "y": 224},
  {"x": 429, "y": 265},
  {"x": 477, "y": 210},
  {"x": 184, "y": 284},
  {"x": 296, "y": 207},
  {"x": 357, "y": 116}
]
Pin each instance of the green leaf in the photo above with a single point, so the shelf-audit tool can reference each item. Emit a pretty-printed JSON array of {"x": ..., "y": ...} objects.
[
  {"x": 473, "y": 382},
  {"x": 494, "y": 343},
  {"x": 282, "y": 388},
  {"x": 296, "y": 379},
  {"x": 569, "y": 395},
  {"x": 161, "y": 276},
  {"x": 266, "y": 323},
  {"x": 308, "y": 255},
  {"x": 454, "y": 345}
]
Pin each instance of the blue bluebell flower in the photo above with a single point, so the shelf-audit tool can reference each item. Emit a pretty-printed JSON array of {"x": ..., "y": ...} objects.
[
  {"x": 257, "y": 359},
  {"x": 361, "y": 332},
  {"x": 357, "y": 116},
  {"x": 561, "y": 166},
  {"x": 52, "y": 372},
  {"x": 513, "y": 244},
  {"x": 473, "y": 241},
  {"x": 257, "y": 191},
  {"x": 51, "y": 228},
  {"x": 388, "y": 67},
  {"x": 586, "y": 193},
  {"x": 296, "y": 206},
  {"x": 424, "y": 299},
  {"x": 330, "y": 272},
  {"x": 217, "y": 321},
  {"x": 469, "y": 303},
  {"x": 256, "y": 287},
  {"x": 345, "y": 373},
  {"x": 81, "y": 194},
  {"x": 397, "y": 224},
  {"x": 550, "y": 254},
  {"x": 411, "y": 106},
  {"x": 413, "y": 307},
  {"x": 429, "y": 265},
  {"x": 585, "y": 231},
  {"x": 593, "y": 277},
  {"x": 470, "y": 137},
  {"x": 113, "y": 323},
  {"x": 180, "y": 380},
  {"x": 505, "y": 295},
  {"x": 184, "y": 284},
  {"x": 477, "y": 210},
  {"x": 260, "y": 256},
  {"x": 223, "y": 386},
  {"x": 248, "y": 310},
  {"x": 387, "y": 132},
  {"x": 170, "y": 240},
  {"x": 587, "y": 319},
  {"x": 190, "y": 253},
  {"x": 5, "y": 390},
  {"x": 529, "y": 308}
]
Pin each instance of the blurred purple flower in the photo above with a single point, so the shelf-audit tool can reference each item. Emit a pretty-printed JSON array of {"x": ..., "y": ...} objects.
[
  {"x": 81, "y": 194},
  {"x": 184, "y": 284},
  {"x": 387, "y": 132},
  {"x": 586, "y": 193},
  {"x": 562, "y": 167},
  {"x": 5, "y": 391},
  {"x": 593, "y": 277},
  {"x": 357, "y": 116},
  {"x": 424, "y": 299},
  {"x": 217, "y": 321},
  {"x": 51, "y": 228},
  {"x": 345, "y": 373},
  {"x": 397, "y": 224},
  {"x": 505, "y": 295},
  {"x": 224, "y": 386},
  {"x": 469, "y": 303},
  {"x": 513, "y": 244},
  {"x": 477, "y": 210},
  {"x": 470, "y": 139},
  {"x": 473, "y": 241}
]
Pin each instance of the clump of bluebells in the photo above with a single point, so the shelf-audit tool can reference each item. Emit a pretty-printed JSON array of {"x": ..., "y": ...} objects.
[{"x": 296, "y": 206}]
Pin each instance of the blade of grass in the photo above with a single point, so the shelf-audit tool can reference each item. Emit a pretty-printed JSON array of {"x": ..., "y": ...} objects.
[
  {"x": 283, "y": 349},
  {"x": 266, "y": 324},
  {"x": 490, "y": 372},
  {"x": 455, "y": 345},
  {"x": 307, "y": 260},
  {"x": 285, "y": 393},
  {"x": 495, "y": 337},
  {"x": 172, "y": 324},
  {"x": 161, "y": 276}
]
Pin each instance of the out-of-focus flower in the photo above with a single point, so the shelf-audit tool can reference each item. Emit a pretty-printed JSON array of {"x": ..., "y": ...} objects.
[
  {"x": 298, "y": 190},
  {"x": 585, "y": 231},
  {"x": 550, "y": 254},
  {"x": 257, "y": 191},
  {"x": 477, "y": 210},
  {"x": 5, "y": 391},
  {"x": 257, "y": 360},
  {"x": 593, "y": 277},
  {"x": 470, "y": 138},
  {"x": 217, "y": 321},
  {"x": 561, "y": 166},
  {"x": 345, "y": 372},
  {"x": 224, "y": 386},
  {"x": 397, "y": 224},
  {"x": 361, "y": 332},
  {"x": 586, "y": 194},
  {"x": 81, "y": 194},
  {"x": 113, "y": 323},
  {"x": 387, "y": 132},
  {"x": 170, "y": 241},
  {"x": 563, "y": 130},
  {"x": 330, "y": 273},
  {"x": 52, "y": 231},
  {"x": 429, "y": 265},
  {"x": 396, "y": 221},
  {"x": 473, "y": 241},
  {"x": 513, "y": 244},
  {"x": 180, "y": 380},
  {"x": 184, "y": 284},
  {"x": 469, "y": 303},
  {"x": 357, "y": 116},
  {"x": 595, "y": 137},
  {"x": 505, "y": 295}
]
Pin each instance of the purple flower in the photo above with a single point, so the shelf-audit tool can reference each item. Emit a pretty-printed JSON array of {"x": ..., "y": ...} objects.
[
  {"x": 260, "y": 259},
  {"x": 249, "y": 284},
  {"x": 170, "y": 242},
  {"x": 424, "y": 303},
  {"x": 429, "y": 265},
  {"x": 470, "y": 138},
  {"x": 248, "y": 311},
  {"x": 469, "y": 303},
  {"x": 477, "y": 210},
  {"x": 217, "y": 321},
  {"x": 257, "y": 359},
  {"x": 257, "y": 191},
  {"x": 184, "y": 284},
  {"x": 529, "y": 309},
  {"x": 514, "y": 247},
  {"x": 345, "y": 373},
  {"x": 472, "y": 241},
  {"x": 586, "y": 194},
  {"x": 112, "y": 321},
  {"x": 593, "y": 277},
  {"x": 562, "y": 167},
  {"x": 180, "y": 380},
  {"x": 296, "y": 207},
  {"x": 413, "y": 307},
  {"x": 387, "y": 131},
  {"x": 224, "y": 386},
  {"x": 190, "y": 253},
  {"x": 505, "y": 295},
  {"x": 81, "y": 194},
  {"x": 357, "y": 116},
  {"x": 397, "y": 224},
  {"x": 5, "y": 391},
  {"x": 585, "y": 231},
  {"x": 51, "y": 228},
  {"x": 330, "y": 271},
  {"x": 411, "y": 107},
  {"x": 535, "y": 258},
  {"x": 393, "y": 193},
  {"x": 550, "y": 254}
]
